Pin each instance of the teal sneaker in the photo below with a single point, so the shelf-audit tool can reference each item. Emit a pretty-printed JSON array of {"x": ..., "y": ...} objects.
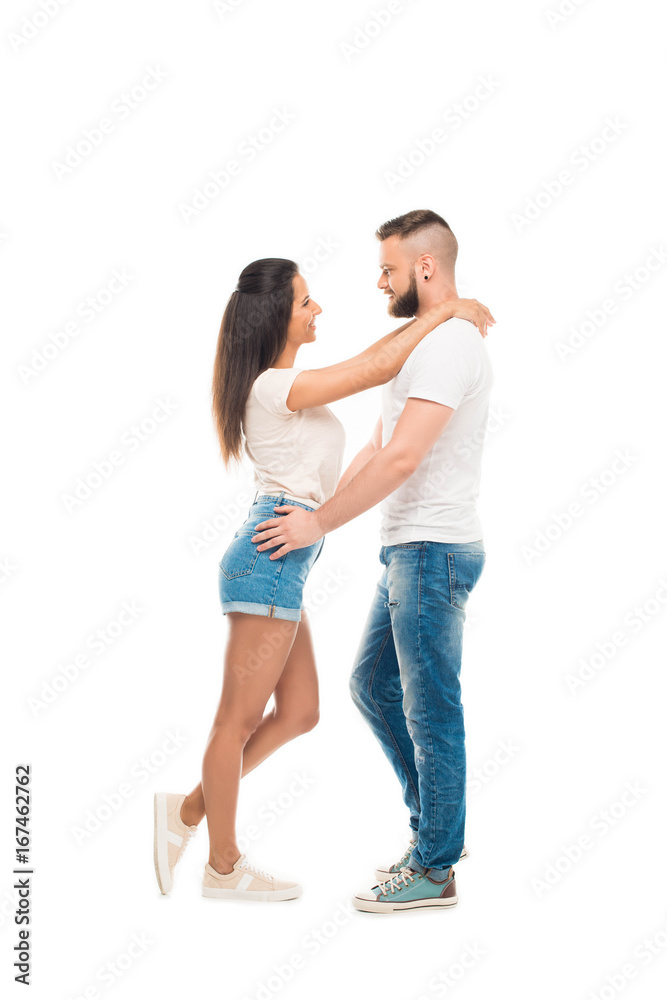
[
  {"x": 407, "y": 891},
  {"x": 384, "y": 874}
]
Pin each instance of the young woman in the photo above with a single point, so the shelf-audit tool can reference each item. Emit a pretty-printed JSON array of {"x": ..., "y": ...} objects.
[{"x": 277, "y": 413}]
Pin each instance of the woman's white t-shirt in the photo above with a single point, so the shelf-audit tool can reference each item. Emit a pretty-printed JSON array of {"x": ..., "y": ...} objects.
[{"x": 300, "y": 452}]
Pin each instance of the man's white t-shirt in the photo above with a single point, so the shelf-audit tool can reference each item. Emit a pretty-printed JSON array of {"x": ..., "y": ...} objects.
[
  {"x": 438, "y": 502},
  {"x": 300, "y": 452}
]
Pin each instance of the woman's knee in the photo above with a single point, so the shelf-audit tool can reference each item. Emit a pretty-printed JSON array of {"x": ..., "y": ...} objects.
[
  {"x": 301, "y": 721},
  {"x": 308, "y": 720},
  {"x": 236, "y": 727}
]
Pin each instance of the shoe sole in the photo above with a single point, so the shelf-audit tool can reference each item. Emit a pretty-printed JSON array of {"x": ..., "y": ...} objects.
[
  {"x": 161, "y": 844},
  {"x": 269, "y": 896},
  {"x": 368, "y": 906},
  {"x": 384, "y": 876}
]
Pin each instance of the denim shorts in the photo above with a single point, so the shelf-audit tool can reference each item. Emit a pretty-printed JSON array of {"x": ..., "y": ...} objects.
[{"x": 251, "y": 582}]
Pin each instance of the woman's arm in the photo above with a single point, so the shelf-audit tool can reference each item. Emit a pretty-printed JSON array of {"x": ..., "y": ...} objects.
[
  {"x": 318, "y": 386},
  {"x": 370, "y": 351},
  {"x": 362, "y": 457}
]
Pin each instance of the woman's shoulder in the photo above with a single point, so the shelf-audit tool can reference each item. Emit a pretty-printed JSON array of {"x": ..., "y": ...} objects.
[{"x": 271, "y": 389}]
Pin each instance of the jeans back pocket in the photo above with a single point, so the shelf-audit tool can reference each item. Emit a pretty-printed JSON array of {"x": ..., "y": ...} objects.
[
  {"x": 240, "y": 557},
  {"x": 465, "y": 569}
]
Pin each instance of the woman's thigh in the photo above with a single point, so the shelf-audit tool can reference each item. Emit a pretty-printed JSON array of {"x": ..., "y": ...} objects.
[
  {"x": 257, "y": 652},
  {"x": 297, "y": 691}
]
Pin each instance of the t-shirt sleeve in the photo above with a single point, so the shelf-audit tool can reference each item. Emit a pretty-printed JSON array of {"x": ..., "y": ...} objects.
[
  {"x": 443, "y": 367},
  {"x": 272, "y": 388}
]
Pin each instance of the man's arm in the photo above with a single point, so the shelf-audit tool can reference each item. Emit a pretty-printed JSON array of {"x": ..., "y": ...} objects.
[
  {"x": 418, "y": 428},
  {"x": 362, "y": 457}
]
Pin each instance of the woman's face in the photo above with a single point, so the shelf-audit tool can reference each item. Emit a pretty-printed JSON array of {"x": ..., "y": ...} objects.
[{"x": 301, "y": 329}]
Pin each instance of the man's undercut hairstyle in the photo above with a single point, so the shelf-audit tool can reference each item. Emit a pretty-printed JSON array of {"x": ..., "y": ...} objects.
[{"x": 424, "y": 232}]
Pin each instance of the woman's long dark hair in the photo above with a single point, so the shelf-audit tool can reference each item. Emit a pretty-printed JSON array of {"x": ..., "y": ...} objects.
[{"x": 253, "y": 334}]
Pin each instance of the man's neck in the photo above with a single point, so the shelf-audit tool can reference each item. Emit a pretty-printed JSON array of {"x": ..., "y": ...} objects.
[{"x": 429, "y": 294}]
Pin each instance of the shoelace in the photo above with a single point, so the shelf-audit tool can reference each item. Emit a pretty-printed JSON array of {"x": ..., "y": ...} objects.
[
  {"x": 405, "y": 857},
  {"x": 405, "y": 876},
  {"x": 252, "y": 869}
]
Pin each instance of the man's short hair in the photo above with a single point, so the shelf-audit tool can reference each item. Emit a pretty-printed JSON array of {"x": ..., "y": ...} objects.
[{"x": 427, "y": 231}]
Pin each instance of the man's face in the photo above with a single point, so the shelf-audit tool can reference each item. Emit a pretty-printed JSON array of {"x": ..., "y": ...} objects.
[{"x": 397, "y": 279}]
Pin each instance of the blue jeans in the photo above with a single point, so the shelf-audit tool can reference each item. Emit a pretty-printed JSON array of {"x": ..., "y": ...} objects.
[{"x": 406, "y": 684}]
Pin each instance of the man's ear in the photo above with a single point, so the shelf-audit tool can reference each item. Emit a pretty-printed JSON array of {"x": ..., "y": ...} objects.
[{"x": 425, "y": 268}]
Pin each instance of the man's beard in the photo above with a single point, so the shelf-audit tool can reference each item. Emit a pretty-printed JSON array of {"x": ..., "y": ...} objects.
[{"x": 405, "y": 306}]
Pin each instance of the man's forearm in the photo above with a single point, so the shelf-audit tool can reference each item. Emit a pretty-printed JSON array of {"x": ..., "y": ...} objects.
[{"x": 380, "y": 476}]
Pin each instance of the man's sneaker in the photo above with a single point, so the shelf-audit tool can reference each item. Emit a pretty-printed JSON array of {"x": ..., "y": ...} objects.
[
  {"x": 384, "y": 874},
  {"x": 171, "y": 837},
  {"x": 247, "y": 882},
  {"x": 407, "y": 891}
]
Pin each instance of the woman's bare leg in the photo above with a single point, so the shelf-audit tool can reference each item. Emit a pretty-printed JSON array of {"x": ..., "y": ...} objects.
[
  {"x": 255, "y": 657},
  {"x": 296, "y": 711}
]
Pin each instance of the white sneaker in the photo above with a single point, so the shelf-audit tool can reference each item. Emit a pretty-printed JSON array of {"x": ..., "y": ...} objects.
[
  {"x": 384, "y": 874},
  {"x": 245, "y": 881},
  {"x": 170, "y": 837}
]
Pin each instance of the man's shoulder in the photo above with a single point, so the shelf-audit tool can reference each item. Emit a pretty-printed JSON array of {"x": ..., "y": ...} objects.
[{"x": 453, "y": 337}]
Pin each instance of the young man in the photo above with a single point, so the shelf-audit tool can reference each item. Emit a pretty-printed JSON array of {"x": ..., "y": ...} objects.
[{"x": 423, "y": 464}]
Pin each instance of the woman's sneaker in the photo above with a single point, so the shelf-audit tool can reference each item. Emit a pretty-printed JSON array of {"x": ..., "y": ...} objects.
[
  {"x": 247, "y": 882},
  {"x": 170, "y": 837},
  {"x": 384, "y": 874},
  {"x": 407, "y": 891}
]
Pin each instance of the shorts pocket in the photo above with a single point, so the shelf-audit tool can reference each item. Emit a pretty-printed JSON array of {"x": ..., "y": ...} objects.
[
  {"x": 465, "y": 569},
  {"x": 240, "y": 557}
]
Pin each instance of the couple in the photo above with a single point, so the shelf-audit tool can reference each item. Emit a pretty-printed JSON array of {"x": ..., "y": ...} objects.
[{"x": 420, "y": 465}]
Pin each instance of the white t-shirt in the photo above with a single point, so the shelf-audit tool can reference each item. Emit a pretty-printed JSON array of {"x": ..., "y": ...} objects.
[
  {"x": 438, "y": 501},
  {"x": 300, "y": 452}
]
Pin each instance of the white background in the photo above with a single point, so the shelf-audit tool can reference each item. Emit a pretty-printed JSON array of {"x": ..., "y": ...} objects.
[{"x": 361, "y": 97}]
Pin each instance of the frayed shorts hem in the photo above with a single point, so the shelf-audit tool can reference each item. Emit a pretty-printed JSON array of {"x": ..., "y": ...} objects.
[{"x": 268, "y": 610}]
